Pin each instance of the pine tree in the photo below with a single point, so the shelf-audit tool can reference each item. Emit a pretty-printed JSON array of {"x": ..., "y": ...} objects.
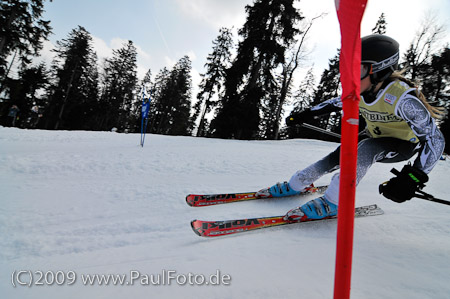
[
  {"x": 305, "y": 93},
  {"x": 181, "y": 122},
  {"x": 23, "y": 92},
  {"x": 171, "y": 105},
  {"x": 142, "y": 90},
  {"x": 75, "y": 90},
  {"x": 212, "y": 81},
  {"x": 119, "y": 83},
  {"x": 267, "y": 32},
  {"x": 329, "y": 87},
  {"x": 435, "y": 86},
  {"x": 435, "y": 80},
  {"x": 22, "y": 31},
  {"x": 157, "y": 111},
  {"x": 146, "y": 83},
  {"x": 380, "y": 26},
  {"x": 302, "y": 100}
]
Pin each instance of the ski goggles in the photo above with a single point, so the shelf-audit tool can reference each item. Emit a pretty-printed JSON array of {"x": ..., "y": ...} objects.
[
  {"x": 366, "y": 70},
  {"x": 369, "y": 67}
]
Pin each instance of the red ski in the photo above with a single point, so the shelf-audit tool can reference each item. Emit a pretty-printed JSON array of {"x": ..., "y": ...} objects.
[
  {"x": 222, "y": 228},
  {"x": 201, "y": 200}
]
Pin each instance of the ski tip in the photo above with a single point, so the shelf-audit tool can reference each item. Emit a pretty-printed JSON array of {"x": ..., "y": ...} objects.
[
  {"x": 380, "y": 210},
  {"x": 370, "y": 210},
  {"x": 195, "y": 229},
  {"x": 189, "y": 200}
]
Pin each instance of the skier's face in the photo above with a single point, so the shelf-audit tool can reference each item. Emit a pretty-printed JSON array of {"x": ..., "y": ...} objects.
[
  {"x": 366, "y": 70},
  {"x": 365, "y": 84}
]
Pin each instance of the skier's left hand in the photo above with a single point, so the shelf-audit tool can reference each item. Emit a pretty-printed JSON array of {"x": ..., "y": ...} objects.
[
  {"x": 299, "y": 118},
  {"x": 403, "y": 187}
]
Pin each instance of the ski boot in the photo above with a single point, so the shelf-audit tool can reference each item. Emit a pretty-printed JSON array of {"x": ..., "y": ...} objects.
[
  {"x": 318, "y": 208},
  {"x": 280, "y": 190}
]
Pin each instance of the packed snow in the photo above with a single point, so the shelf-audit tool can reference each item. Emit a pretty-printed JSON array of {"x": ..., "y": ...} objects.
[{"x": 96, "y": 203}]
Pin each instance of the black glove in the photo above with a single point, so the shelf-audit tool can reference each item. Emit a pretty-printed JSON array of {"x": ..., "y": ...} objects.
[
  {"x": 403, "y": 187},
  {"x": 299, "y": 118}
]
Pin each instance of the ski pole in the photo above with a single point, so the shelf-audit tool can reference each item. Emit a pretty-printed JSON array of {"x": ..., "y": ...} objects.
[
  {"x": 426, "y": 196},
  {"x": 321, "y": 130},
  {"x": 308, "y": 126}
]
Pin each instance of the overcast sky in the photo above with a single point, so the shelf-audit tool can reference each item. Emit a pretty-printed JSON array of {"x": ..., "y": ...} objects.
[{"x": 165, "y": 30}]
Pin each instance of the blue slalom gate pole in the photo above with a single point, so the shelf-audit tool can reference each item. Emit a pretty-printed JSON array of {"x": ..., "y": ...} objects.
[{"x": 144, "y": 116}]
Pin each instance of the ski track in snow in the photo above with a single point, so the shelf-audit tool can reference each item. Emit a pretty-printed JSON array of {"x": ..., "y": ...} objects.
[{"x": 98, "y": 203}]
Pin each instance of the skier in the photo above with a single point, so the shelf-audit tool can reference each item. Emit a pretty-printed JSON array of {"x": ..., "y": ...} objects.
[
  {"x": 12, "y": 114},
  {"x": 34, "y": 116},
  {"x": 399, "y": 123}
]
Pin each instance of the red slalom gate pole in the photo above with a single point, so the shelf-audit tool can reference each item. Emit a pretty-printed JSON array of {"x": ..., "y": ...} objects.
[{"x": 350, "y": 14}]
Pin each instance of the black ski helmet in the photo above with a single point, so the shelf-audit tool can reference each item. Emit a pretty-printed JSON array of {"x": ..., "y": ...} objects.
[{"x": 382, "y": 53}]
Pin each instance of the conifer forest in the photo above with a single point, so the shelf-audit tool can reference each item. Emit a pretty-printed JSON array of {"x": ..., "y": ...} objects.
[{"x": 245, "y": 90}]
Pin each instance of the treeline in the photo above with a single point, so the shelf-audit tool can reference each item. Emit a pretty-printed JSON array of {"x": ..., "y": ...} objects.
[
  {"x": 244, "y": 92},
  {"x": 78, "y": 92}
]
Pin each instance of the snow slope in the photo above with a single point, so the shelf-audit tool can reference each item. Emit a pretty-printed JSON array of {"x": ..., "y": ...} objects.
[{"x": 98, "y": 203}]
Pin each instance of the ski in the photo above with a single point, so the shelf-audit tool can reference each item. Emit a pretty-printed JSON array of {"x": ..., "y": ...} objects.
[
  {"x": 201, "y": 200},
  {"x": 222, "y": 228}
]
